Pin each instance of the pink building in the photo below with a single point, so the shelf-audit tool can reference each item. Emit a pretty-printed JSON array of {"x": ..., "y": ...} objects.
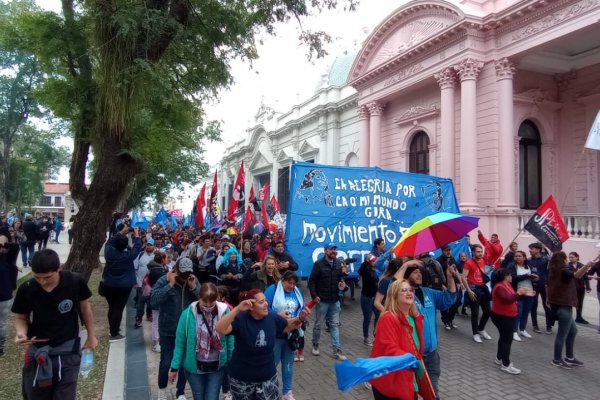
[{"x": 498, "y": 95}]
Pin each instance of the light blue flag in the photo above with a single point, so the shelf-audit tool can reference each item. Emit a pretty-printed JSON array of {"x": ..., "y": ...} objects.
[
  {"x": 161, "y": 217},
  {"x": 364, "y": 369},
  {"x": 173, "y": 222},
  {"x": 139, "y": 220}
]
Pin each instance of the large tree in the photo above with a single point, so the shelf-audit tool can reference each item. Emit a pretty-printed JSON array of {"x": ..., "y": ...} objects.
[{"x": 117, "y": 67}]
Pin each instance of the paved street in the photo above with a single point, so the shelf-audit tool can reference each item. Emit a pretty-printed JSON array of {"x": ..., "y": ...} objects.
[{"x": 468, "y": 368}]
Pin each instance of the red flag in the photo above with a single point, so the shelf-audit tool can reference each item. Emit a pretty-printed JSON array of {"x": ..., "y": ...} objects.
[
  {"x": 264, "y": 195},
  {"x": 236, "y": 205},
  {"x": 548, "y": 226},
  {"x": 252, "y": 198},
  {"x": 212, "y": 202},
  {"x": 275, "y": 204},
  {"x": 200, "y": 203},
  {"x": 249, "y": 218}
]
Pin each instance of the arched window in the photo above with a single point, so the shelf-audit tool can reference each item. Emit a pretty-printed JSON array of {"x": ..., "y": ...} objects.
[
  {"x": 530, "y": 166},
  {"x": 419, "y": 153}
]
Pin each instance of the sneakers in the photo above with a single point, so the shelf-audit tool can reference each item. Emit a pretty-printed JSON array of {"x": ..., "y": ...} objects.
[
  {"x": 549, "y": 331},
  {"x": 296, "y": 357},
  {"x": 510, "y": 369},
  {"x": 138, "y": 323},
  {"x": 116, "y": 338},
  {"x": 581, "y": 321},
  {"x": 448, "y": 326},
  {"x": 301, "y": 357},
  {"x": 573, "y": 362},
  {"x": 156, "y": 348},
  {"x": 367, "y": 342},
  {"x": 339, "y": 356},
  {"x": 497, "y": 361},
  {"x": 537, "y": 330},
  {"x": 288, "y": 396},
  {"x": 516, "y": 337},
  {"x": 561, "y": 364},
  {"x": 477, "y": 338},
  {"x": 315, "y": 350},
  {"x": 181, "y": 397},
  {"x": 453, "y": 325},
  {"x": 464, "y": 312},
  {"x": 525, "y": 334},
  {"x": 485, "y": 335},
  {"x": 228, "y": 396},
  {"x": 162, "y": 394}
]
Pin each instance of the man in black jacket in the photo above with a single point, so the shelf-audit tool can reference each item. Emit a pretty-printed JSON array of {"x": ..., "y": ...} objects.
[
  {"x": 324, "y": 283},
  {"x": 285, "y": 260},
  {"x": 28, "y": 244},
  {"x": 8, "y": 283}
]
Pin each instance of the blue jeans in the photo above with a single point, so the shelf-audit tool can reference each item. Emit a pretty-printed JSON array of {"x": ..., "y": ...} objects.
[
  {"x": 282, "y": 352},
  {"x": 205, "y": 386},
  {"x": 366, "y": 305},
  {"x": 524, "y": 306},
  {"x": 566, "y": 331},
  {"x": 331, "y": 313},
  {"x": 25, "y": 248},
  {"x": 432, "y": 364},
  {"x": 167, "y": 346}
]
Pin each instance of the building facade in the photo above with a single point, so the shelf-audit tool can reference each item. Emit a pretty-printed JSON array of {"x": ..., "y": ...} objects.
[{"x": 498, "y": 95}]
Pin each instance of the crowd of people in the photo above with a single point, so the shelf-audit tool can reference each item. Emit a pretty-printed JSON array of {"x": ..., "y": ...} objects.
[{"x": 227, "y": 311}]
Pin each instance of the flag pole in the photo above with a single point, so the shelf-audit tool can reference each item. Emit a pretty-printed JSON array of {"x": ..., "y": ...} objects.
[{"x": 572, "y": 181}]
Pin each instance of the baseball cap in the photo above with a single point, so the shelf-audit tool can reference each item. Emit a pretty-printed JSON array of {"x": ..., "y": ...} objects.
[
  {"x": 185, "y": 265},
  {"x": 225, "y": 237},
  {"x": 150, "y": 242},
  {"x": 331, "y": 246}
]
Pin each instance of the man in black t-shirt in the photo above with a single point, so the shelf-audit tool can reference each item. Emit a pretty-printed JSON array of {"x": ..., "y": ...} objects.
[{"x": 47, "y": 309}]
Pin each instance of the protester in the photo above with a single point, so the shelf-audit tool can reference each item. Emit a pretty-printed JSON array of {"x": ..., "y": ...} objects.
[
  {"x": 266, "y": 275},
  {"x": 478, "y": 292},
  {"x": 199, "y": 348},
  {"x": 387, "y": 278},
  {"x": 493, "y": 249},
  {"x": 323, "y": 283},
  {"x": 44, "y": 227},
  {"x": 118, "y": 278},
  {"x": 141, "y": 270},
  {"x": 582, "y": 284},
  {"x": 172, "y": 294},
  {"x": 285, "y": 261},
  {"x": 231, "y": 272},
  {"x": 248, "y": 255},
  {"x": 504, "y": 314},
  {"x": 252, "y": 372},
  {"x": 447, "y": 260},
  {"x": 562, "y": 297},
  {"x": 510, "y": 255},
  {"x": 399, "y": 331},
  {"x": 521, "y": 277},
  {"x": 594, "y": 273},
  {"x": 8, "y": 282},
  {"x": 47, "y": 309},
  {"x": 367, "y": 296},
  {"x": 205, "y": 260},
  {"x": 433, "y": 273},
  {"x": 156, "y": 269},
  {"x": 70, "y": 229},
  {"x": 58, "y": 227},
  {"x": 428, "y": 301},
  {"x": 285, "y": 298},
  {"x": 539, "y": 266},
  {"x": 29, "y": 240},
  {"x": 462, "y": 259}
]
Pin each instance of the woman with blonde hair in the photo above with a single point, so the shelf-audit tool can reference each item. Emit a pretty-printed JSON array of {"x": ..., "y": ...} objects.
[
  {"x": 265, "y": 274},
  {"x": 399, "y": 331}
]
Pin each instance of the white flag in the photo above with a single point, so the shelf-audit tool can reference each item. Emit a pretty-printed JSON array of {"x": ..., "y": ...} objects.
[{"x": 593, "y": 139}]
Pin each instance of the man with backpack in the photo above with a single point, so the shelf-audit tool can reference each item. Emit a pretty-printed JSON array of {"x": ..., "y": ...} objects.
[{"x": 433, "y": 273}]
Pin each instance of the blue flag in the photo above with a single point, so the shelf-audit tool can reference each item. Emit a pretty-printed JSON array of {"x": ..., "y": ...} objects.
[
  {"x": 161, "y": 217},
  {"x": 364, "y": 369},
  {"x": 173, "y": 222},
  {"x": 139, "y": 220}
]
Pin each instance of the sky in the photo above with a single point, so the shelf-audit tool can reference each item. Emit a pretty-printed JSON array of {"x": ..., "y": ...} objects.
[{"x": 283, "y": 75}]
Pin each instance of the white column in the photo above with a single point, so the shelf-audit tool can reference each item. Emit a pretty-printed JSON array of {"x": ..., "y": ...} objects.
[
  {"x": 363, "y": 149},
  {"x": 507, "y": 196},
  {"x": 375, "y": 110},
  {"x": 446, "y": 79},
  {"x": 323, "y": 159},
  {"x": 468, "y": 70},
  {"x": 274, "y": 174}
]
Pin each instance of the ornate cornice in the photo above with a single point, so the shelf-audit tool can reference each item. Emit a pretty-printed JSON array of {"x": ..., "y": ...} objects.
[
  {"x": 505, "y": 69},
  {"x": 417, "y": 112},
  {"x": 468, "y": 69},
  {"x": 446, "y": 78},
  {"x": 363, "y": 112},
  {"x": 375, "y": 108}
]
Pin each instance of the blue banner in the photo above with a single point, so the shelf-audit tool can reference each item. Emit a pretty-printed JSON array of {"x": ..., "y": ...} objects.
[
  {"x": 353, "y": 206},
  {"x": 349, "y": 374}
]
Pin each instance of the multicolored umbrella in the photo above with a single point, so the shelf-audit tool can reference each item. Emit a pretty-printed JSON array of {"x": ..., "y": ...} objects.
[{"x": 433, "y": 232}]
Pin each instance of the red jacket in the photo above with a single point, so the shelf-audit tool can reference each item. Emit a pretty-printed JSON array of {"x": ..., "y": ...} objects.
[
  {"x": 504, "y": 300},
  {"x": 492, "y": 252},
  {"x": 394, "y": 338}
]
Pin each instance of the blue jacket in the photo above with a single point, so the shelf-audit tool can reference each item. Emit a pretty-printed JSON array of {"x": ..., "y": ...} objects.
[
  {"x": 434, "y": 300},
  {"x": 119, "y": 270}
]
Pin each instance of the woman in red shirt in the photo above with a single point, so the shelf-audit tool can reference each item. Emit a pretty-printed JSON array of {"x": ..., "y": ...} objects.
[
  {"x": 504, "y": 312},
  {"x": 399, "y": 331}
]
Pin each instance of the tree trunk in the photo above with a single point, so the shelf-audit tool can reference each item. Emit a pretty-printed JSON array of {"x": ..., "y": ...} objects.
[
  {"x": 4, "y": 176},
  {"x": 115, "y": 169}
]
